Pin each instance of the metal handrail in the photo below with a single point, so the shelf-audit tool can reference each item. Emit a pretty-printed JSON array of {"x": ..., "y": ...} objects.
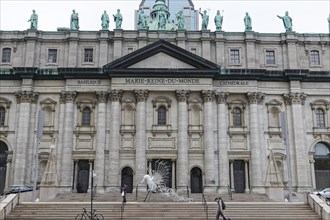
[
  {"x": 188, "y": 191},
  {"x": 230, "y": 192},
  {"x": 206, "y": 208},
  {"x": 136, "y": 191}
]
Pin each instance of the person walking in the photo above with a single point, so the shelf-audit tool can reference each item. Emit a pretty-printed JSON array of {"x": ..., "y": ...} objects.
[
  {"x": 124, "y": 189},
  {"x": 221, "y": 207}
]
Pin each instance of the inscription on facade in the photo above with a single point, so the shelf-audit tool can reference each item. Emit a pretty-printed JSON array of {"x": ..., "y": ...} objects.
[
  {"x": 87, "y": 82},
  {"x": 162, "y": 81},
  {"x": 232, "y": 83}
]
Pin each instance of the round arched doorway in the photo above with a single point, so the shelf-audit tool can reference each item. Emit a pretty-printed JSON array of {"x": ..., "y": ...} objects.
[
  {"x": 3, "y": 165},
  {"x": 196, "y": 180},
  {"x": 127, "y": 178},
  {"x": 322, "y": 165}
]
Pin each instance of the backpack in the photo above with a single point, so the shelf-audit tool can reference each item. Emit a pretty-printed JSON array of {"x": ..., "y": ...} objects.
[{"x": 223, "y": 205}]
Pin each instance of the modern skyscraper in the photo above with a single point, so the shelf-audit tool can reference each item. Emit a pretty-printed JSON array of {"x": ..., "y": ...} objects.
[{"x": 191, "y": 15}]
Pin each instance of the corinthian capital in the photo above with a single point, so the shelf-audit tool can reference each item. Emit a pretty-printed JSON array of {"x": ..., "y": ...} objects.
[
  {"x": 26, "y": 96},
  {"x": 182, "y": 95},
  {"x": 221, "y": 97},
  {"x": 141, "y": 95},
  {"x": 255, "y": 97},
  {"x": 67, "y": 96},
  {"x": 208, "y": 95},
  {"x": 295, "y": 98},
  {"x": 115, "y": 95},
  {"x": 102, "y": 96}
]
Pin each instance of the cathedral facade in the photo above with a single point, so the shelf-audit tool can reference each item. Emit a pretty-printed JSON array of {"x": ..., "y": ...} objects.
[{"x": 242, "y": 110}]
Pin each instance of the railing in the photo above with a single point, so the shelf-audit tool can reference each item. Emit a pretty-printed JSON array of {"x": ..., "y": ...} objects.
[
  {"x": 206, "y": 208},
  {"x": 319, "y": 205},
  {"x": 11, "y": 204},
  {"x": 188, "y": 191},
  {"x": 136, "y": 191}
]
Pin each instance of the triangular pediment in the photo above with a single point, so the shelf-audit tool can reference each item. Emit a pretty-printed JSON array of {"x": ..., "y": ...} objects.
[{"x": 162, "y": 58}]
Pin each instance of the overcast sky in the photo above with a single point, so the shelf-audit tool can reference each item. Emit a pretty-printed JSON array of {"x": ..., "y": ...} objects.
[{"x": 309, "y": 16}]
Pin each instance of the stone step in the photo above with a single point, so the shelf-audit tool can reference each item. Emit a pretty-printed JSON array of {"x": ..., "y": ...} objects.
[{"x": 164, "y": 211}]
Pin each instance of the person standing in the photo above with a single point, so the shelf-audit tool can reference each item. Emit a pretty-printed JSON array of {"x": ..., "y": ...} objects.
[
  {"x": 124, "y": 189},
  {"x": 220, "y": 209},
  {"x": 34, "y": 20},
  {"x": 218, "y": 21},
  {"x": 118, "y": 19},
  {"x": 248, "y": 22},
  {"x": 74, "y": 22},
  {"x": 105, "y": 20},
  {"x": 287, "y": 21}
]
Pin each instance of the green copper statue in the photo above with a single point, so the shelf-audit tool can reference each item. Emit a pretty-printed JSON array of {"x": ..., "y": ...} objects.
[
  {"x": 205, "y": 19},
  {"x": 218, "y": 21},
  {"x": 180, "y": 18},
  {"x": 162, "y": 19},
  {"x": 118, "y": 19},
  {"x": 74, "y": 22},
  {"x": 105, "y": 20},
  {"x": 142, "y": 20},
  {"x": 34, "y": 20},
  {"x": 248, "y": 22},
  {"x": 287, "y": 21}
]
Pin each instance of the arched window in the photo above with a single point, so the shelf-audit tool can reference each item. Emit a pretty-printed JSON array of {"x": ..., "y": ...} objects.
[
  {"x": 315, "y": 57},
  {"x": 161, "y": 115},
  {"x": 2, "y": 116},
  {"x": 237, "y": 117},
  {"x": 86, "y": 116},
  {"x": 322, "y": 165},
  {"x": 6, "y": 55},
  {"x": 320, "y": 122}
]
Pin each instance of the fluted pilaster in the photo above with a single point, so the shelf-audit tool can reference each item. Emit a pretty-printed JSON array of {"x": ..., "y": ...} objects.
[
  {"x": 210, "y": 177},
  {"x": 222, "y": 122},
  {"x": 67, "y": 163},
  {"x": 182, "y": 162},
  {"x": 102, "y": 98},
  {"x": 115, "y": 96},
  {"x": 25, "y": 99},
  {"x": 141, "y": 143},
  {"x": 256, "y": 161},
  {"x": 300, "y": 165}
]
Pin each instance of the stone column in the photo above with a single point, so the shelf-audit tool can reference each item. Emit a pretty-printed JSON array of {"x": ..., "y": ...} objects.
[
  {"x": 8, "y": 172},
  {"x": 246, "y": 176},
  {"x": 257, "y": 177},
  {"x": 223, "y": 142},
  {"x": 140, "y": 142},
  {"x": 232, "y": 180},
  {"x": 297, "y": 146},
  {"x": 312, "y": 168},
  {"x": 23, "y": 129},
  {"x": 209, "y": 159},
  {"x": 102, "y": 98},
  {"x": 292, "y": 40},
  {"x": 115, "y": 97},
  {"x": 173, "y": 174},
  {"x": 68, "y": 145},
  {"x": 183, "y": 160}
]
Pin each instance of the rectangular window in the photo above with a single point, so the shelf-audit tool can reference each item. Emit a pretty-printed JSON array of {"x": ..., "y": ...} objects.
[
  {"x": 270, "y": 57},
  {"x": 52, "y": 56},
  {"x": 315, "y": 57},
  {"x": 6, "y": 54},
  {"x": 234, "y": 57},
  {"x": 88, "y": 56}
]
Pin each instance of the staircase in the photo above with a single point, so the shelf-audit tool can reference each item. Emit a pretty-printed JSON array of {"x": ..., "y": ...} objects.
[{"x": 67, "y": 206}]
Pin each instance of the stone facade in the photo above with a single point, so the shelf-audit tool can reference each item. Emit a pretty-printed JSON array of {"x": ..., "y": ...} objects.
[{"x": 209, "y": 103}]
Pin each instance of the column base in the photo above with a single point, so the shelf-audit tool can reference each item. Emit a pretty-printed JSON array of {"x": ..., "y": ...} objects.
[
  {"x": 210, "y": 189},
  {"x": 224, "y": 190}
]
